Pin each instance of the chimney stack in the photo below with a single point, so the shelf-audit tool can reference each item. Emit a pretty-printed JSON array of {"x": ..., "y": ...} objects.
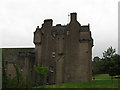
[
  {"x": 73, "y": 16},
  {"x": 48, "y": 22}
]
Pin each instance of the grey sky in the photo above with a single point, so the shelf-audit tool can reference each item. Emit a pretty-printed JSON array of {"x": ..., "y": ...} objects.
[
  {"x": 19, "y": 19},
  {"x": 119, "y": 27}
]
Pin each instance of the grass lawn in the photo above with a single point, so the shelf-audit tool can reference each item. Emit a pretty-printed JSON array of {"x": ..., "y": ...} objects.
[
  {"x": 102, "y": 76},
  {"x": 92, "y": 84}
]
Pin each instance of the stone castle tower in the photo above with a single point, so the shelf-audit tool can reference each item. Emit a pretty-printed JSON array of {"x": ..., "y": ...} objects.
[{"x": 66, "y": 50}]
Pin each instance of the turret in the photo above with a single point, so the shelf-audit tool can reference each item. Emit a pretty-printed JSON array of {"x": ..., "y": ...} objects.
[{"x": 37, "y": 36}]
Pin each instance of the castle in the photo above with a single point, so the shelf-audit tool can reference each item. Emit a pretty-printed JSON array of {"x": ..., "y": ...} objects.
[{"x": 65, "y": 49}]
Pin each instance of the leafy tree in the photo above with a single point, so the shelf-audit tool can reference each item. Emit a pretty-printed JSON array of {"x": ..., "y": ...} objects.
[
  {"x": 110, "y": 63},
  {"x": 97, "y": 66},
  {"x": 42, "y": 71},
  {"x": 114, "y": 65},
  {"x": 22, "y": 80},
  {"x": 18, "y": 81},
  {"x": 107, "y": 59},
  {"x": 109, "y": 53},
  {"x": 18, "y": 74}
]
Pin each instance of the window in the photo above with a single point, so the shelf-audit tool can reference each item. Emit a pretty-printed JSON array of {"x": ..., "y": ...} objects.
[
  {"x": 53, "y": 54},
  {"x": 51, "y": 69},
  {"x": 68, "y": 32}
]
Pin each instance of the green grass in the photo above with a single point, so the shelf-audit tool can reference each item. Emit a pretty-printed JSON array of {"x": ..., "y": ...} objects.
[
  {"x": 102, "y": 76},
  {"x": 92, "y": 84}
]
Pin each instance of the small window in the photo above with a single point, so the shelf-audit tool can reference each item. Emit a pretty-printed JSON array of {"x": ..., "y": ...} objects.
[
  {"x": 51, "y": 69},
  {"x": 53, "y": 54},
  {"x": 68, "y": 32}
]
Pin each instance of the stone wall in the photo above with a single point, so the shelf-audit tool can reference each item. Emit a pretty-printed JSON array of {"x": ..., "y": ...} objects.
[{"x": 23, "y": 57}]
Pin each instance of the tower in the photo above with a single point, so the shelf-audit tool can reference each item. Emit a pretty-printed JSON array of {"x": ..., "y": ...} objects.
[
  {"x": 72, "y": 48},
  {"x": 65, "y": 49}
]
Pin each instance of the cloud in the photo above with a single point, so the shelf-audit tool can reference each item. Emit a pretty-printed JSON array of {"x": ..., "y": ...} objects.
[{"x": 19, "y": 18}]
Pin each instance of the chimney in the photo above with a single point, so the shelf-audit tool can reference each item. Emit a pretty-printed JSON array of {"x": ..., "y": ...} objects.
[
  {"x": 73, "y": 16},
  {"x": 48, "y": 22}
]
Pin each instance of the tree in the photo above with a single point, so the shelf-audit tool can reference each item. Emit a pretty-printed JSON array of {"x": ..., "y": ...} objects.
[
  {"x": 114, "y": 65},
  {"x": 109, "y": 53},
  {"x": 97, "y": 66},
  {"x": 42, "y": 71},
  {"x": 14, "y": 82},
  {"x": 110, "y": 63},
  {"x": 107, "y": 59},
  {"x": 18, "y": 74}
]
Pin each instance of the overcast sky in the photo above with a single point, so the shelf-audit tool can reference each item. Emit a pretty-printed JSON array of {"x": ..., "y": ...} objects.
[{"x": 19, "y": 19}]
